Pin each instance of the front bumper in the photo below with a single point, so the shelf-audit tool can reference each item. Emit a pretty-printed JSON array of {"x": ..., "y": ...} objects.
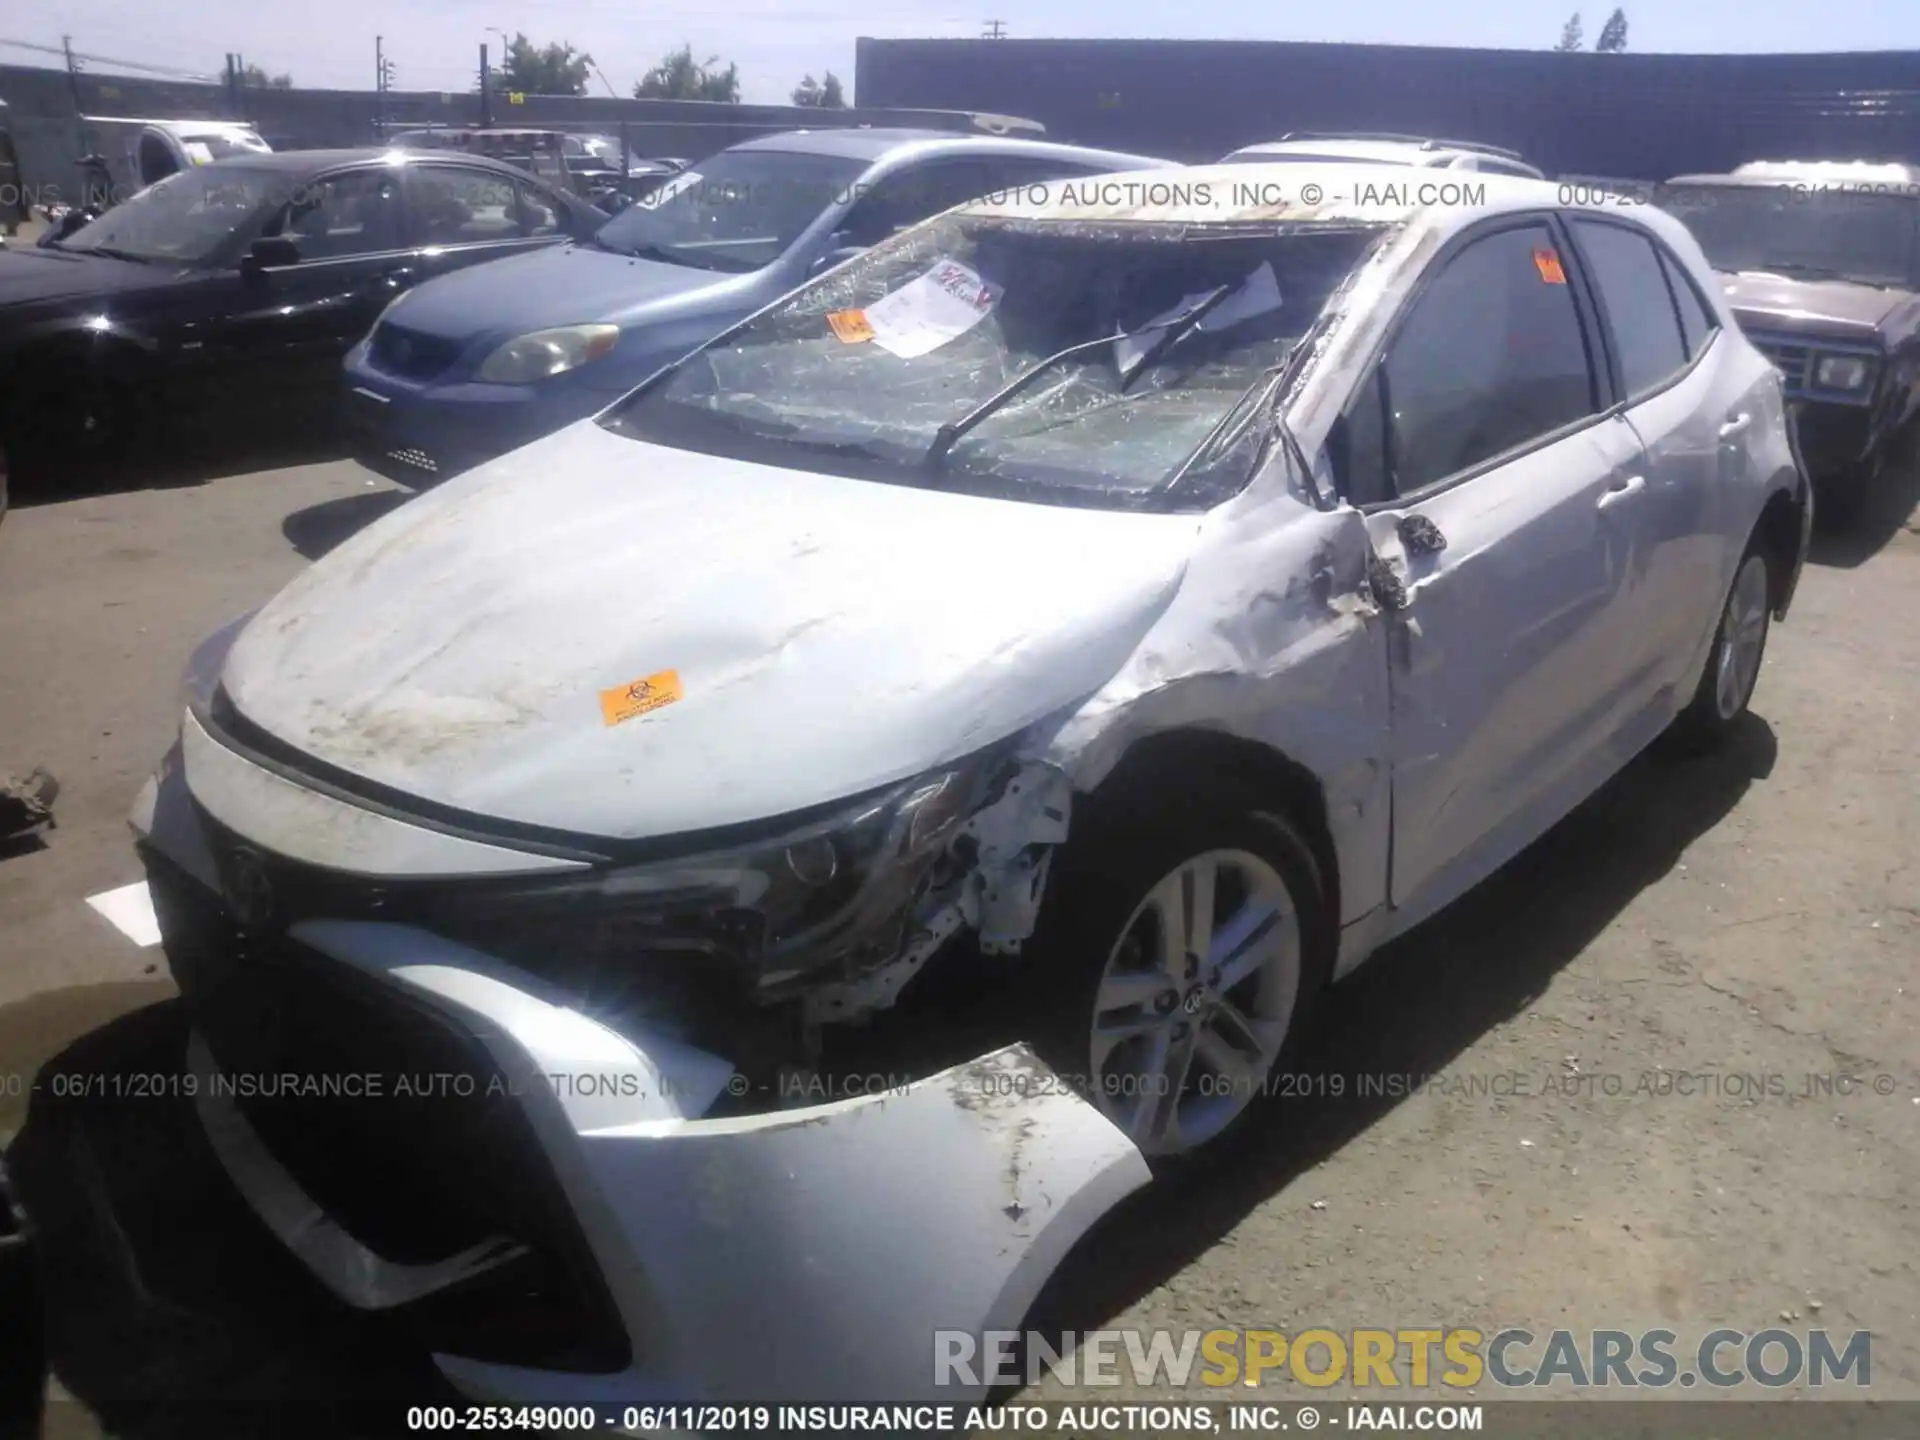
[
  {"x": 541, "y": 1204},
  {"x": 420, "y": 433}
]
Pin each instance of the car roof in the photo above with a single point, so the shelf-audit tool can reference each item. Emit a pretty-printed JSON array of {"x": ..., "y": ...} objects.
[
  {"x": 1809, "y": 172},
  {"x": 877, "y": 142},
  {"x": 1408, "y": 151},
  {"x": 309, "y": 162}
]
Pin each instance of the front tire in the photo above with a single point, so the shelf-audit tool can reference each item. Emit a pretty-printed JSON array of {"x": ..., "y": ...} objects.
[
  {"x": 1733, "y": 664},
  {"x": 1191, "y": 943}
]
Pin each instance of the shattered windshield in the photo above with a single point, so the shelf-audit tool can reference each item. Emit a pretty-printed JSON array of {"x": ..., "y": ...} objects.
[
  {"x": 1801, "y": 230},
  {"x": 1166, "y": 329}
]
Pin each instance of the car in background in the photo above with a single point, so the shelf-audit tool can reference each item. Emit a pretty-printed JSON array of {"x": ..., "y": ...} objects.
[
  {"x": 1821, "y": 262},
  {"x": 1187, "y": 595},
  {"x": 1360, "y": 147},
  {"x": 474, "y": 365},
  {"x": 236, "y": 286}
]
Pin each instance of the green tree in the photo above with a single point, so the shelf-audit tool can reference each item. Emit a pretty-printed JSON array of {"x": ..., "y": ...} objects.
[
  {"x": 553, "y": 70},
  {"x": 822, "y": 94},
  {"x": 252, "y": 75},
  {"x": 1613, "y": 34},
  {"x": 680, "y": 77},
  {"x": 1570, "y": 34}
]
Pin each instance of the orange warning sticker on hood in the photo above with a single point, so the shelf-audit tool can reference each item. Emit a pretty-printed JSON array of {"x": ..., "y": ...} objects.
[
  {"x": 851, "y": 326},
  {"x": 1547, "y": 262},
  {"x": 625, "y": 702}
]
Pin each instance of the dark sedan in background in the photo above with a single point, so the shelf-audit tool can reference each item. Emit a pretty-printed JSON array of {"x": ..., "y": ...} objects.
[
  {"x": 476, "y": 365},
  {"x": 232, "y": 290},
  {"x": 1822, "y": 263}
]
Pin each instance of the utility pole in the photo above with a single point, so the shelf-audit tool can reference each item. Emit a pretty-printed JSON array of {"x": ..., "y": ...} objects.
[
  {"x": 486, "y": 91},
  {"x": 380, "y": 79},
  {"x": 996, "y": 30},
  {"x": 73, "y": 73}
]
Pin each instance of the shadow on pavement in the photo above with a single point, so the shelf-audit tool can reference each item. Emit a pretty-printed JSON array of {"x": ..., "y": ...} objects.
[
  {"x": 319, "y": 528},
  {"x": 1412, "y": 1010},
  {"x": 1846, "y": 542},
  {"x": 181, "y": 463}
]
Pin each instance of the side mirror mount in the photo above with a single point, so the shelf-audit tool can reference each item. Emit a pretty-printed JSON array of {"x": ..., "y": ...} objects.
[{"x": 270, "y": 252}]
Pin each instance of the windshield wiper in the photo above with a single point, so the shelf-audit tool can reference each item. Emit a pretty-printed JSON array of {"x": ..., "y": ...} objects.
[
  {"x": 948, "y": 435},
  {"x": 109, "y": 251}
]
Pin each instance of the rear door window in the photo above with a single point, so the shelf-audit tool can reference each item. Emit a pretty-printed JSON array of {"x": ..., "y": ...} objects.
[
  {"x": 1696, "y": 320},
  {"x": 1640, "y": 308}
]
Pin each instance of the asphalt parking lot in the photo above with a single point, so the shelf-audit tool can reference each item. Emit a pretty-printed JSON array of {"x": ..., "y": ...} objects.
[{"x": 1748, "y": 915}]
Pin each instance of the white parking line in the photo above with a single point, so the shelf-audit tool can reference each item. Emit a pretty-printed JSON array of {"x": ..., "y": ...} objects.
[{"x": 130, "y": 910}]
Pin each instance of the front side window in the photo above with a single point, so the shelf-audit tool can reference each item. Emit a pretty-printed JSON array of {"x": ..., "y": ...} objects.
[
  {"x": 1857, "y": 235},
  {"x": 1490, "y": 357},
  {"x": 858, "y": 372},
  {"x": 353, "y": 214},
  {"x": 738, "y": 211},
  {"x": 1639, "y": 305}
]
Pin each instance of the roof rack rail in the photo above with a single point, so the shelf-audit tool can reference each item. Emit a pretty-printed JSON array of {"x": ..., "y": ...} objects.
[{"x": 1425, "y": 142}]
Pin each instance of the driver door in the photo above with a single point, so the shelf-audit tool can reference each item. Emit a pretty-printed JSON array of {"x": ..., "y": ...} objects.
[{"x": 1480, "y": 449}]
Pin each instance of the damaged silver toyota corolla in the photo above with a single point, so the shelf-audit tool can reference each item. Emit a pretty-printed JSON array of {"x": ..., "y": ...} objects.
[{"x": 1177, "y": 585}]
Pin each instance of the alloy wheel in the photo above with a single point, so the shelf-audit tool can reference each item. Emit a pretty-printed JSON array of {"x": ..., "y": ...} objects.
[
  {"x": 1743, "y": 638},
  {"x": 1195, "y": 1001}
]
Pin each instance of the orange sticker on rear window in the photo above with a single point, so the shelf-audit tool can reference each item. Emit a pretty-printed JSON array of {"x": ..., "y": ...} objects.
[
  {"x": 851, "y": 326},
  {"x": 1547, "y": 262},
  {"x": 624, "y": 702}
]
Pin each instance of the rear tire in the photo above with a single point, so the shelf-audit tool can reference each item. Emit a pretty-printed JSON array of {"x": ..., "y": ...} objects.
[
  {"x": 1732, "y": 671},
  {"x": 1186, "y": 944}
]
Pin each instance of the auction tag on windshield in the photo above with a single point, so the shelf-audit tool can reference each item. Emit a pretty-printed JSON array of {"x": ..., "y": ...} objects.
[
  {"x": 625, "y": 702},
  {"x": 1547, "y": 262},
  {"x": 927, "y": 312},
  {"x": 851, "y": 326},
  {"x": 198, "y": 151},
  {"x": 664, "y": 192}
]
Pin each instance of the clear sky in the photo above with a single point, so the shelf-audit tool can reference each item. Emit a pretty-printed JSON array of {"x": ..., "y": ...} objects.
[{"x": 434, "y": 43}]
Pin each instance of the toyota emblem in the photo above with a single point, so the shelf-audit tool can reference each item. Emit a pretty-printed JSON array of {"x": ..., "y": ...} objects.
[{"x": 249, "y": 889}]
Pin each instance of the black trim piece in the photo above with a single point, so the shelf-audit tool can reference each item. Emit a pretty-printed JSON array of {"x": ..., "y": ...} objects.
[{"x": 224, "y": 722}]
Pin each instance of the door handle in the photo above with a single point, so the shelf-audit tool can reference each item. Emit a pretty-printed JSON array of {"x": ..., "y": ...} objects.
[
  {"x": 1734, "y": 426},
  {"x": 1621, "y": 489}
]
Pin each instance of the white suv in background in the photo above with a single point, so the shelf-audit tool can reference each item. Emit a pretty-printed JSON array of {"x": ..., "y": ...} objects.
[{"x": 1367, "y": 148}]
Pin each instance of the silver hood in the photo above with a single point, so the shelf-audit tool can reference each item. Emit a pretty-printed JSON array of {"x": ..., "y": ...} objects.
[{"x": 828, "y": 635}]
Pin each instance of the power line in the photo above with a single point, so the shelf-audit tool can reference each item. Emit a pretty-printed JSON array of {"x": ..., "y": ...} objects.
[
  {"x": 171, "y": 71},
  {"x": 996, "y": 30}
]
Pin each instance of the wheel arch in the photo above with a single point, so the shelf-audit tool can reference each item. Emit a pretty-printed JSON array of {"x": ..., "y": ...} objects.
[
  {"x": 1153, "y": 765},
  {"x": 1777, "y": 536}
]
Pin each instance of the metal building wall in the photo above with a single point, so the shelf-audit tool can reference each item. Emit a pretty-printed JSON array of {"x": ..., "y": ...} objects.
[{"x": 1640, "y": 116}]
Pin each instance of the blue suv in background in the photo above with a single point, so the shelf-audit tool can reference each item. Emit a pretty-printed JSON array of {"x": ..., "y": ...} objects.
[{"x": 468, "y": 367}]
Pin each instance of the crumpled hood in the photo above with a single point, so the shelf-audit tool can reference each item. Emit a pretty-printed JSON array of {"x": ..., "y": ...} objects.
[
  {"x": 30, "y": 274},
  {"x": 556, "y": 285},
  {"x": 1782, "y": 302},
  {"x": 829, "y": 635}
]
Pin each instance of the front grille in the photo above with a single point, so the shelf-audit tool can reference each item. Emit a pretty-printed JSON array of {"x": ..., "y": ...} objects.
[
  {"x": 1790, "y": 357},
  {"x": 431, "y": 1154},
  {"x": 411, "y": 354}
]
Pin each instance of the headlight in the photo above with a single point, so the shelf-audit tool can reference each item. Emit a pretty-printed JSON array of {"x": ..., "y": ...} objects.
[
  {"x": 1842, "y": 372},
  {"x": 835, "y": 893},
  {"x": 546, "y": 353}
]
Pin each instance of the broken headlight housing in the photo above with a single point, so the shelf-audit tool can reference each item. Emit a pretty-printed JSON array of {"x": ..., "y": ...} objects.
[{"x": 828, "y": 897}]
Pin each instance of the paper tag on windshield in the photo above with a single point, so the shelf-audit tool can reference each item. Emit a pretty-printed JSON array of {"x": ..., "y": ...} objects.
[
  {"x": 1547, "y": 262},
  {"x": 679, "y": 184},
  {"x": 927, "y": 312},
  {"x": 851, "y": 326},
  {"x": 198, "y": 151}
]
